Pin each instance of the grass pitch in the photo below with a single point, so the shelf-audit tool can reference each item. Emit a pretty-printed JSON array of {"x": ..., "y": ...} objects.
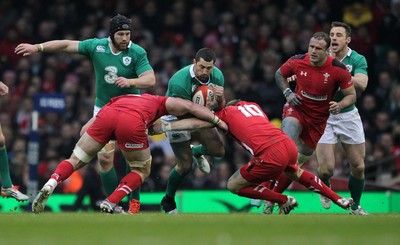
[{"x": 193, "y": 229}]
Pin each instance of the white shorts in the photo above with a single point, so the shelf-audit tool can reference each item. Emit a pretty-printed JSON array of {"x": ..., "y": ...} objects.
[
  {"x": 176, "y": 136},
  {"x": 344, "y": 127}
]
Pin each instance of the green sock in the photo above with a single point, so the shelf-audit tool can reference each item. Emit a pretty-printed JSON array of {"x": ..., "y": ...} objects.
[
  {"x": 5, "y": 169},
  {"x": 327, "y": 182},
  {"x": 356, "y": 187},
  {"x": 174, "y": 180},
  {"x": 199, "y": 150},
  {"x": 109, "y": 180},
  {"x": 135, "y": 194}
]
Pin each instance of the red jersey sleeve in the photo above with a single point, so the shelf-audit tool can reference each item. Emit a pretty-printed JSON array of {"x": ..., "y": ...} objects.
[{"x": 289, "y": 67}]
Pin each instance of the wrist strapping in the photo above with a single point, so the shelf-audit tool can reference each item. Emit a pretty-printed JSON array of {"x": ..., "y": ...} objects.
[
  {"x": 215, "y": 120},
  {"x": 40, "y": 47},
  {"x": 287, "y": 92},
  {"x": 165, "y": 126}
]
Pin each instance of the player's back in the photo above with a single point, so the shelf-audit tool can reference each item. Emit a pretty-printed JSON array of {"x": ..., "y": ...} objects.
[
  {"x": 250, "y": 126},
  {"x": 149, "y": 107}
]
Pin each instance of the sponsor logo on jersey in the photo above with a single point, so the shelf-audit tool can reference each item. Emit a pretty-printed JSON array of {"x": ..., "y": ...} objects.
[
  {"x": 100, "y": 49},
  {"x": 126, "y": 60},
  {"x": 349, "y": 68},
  {"x": 314, "y": 97},
  {"x": 133, "y": 145}
]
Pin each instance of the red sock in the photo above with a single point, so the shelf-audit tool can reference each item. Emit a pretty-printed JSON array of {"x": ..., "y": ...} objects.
[
  {"x": 268, "y": 184},
  {"x": 63, "y": 171},
  {"x": 129, "y": 183},
  {"x": 261, "y": 192},
  {"x": 313, "y": 183},
  {"x": 282, "y": 183}
]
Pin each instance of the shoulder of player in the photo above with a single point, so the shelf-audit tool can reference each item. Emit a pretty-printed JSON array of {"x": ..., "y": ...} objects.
[
  {"x": 135, "y": 48},
  {"x": 298, "y": 57},
  {"x": 217, "y": 76},
  {"x": 183, "y": 72},
  {"x": 93, "y": 45},
  {"x": 96, "y": 41},
  {"x": 358, "y": 58},
  {"x": 180, "y": 79},
  {"x": 337, "y": 63}
]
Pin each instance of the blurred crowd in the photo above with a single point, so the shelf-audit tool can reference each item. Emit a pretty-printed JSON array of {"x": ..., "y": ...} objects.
[{"x": 252, "y": 38}]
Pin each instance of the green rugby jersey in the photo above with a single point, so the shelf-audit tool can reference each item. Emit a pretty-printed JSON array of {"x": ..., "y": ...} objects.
[
  {"x": 108, "y": 66},
  {"x": 355, "y": 63},
  {"x": 183, "y": 83}
]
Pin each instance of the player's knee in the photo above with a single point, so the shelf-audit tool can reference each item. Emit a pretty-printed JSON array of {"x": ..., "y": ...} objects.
[
  {"x": 358, "y": 171},
  {"x": 105, "y": 159},
  {"x": 183, "y": 168},
  {"x": 141, "y": 167},
  {"x": 325, "y": 174},
  {"x": 220, "y": 152},
  {"x": 232, "y": 187},
  {"x": 325, "y": 171},
  {"x": 216, "y": 151}
]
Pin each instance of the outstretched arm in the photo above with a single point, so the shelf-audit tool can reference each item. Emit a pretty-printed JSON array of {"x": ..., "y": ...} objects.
[
  {"x": 184, "y": 124},
  {"x": 69, "y": 46},
  {"x": 180, "y": 107}
]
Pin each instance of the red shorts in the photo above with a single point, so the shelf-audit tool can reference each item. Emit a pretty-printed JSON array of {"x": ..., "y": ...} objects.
[
  {"x": 127, "y": 128},
  {"x": 312, "y": 129},
  {"x": 272, "y": 162}
]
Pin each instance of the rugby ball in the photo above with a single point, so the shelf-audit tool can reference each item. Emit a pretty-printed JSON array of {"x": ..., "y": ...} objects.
[{"x": 203, "y": 94}]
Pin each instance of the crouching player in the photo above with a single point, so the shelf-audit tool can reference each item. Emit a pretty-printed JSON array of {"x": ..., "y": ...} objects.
[
  {"x": 125, "y": 119},
  {"x": 274, "y": 153}
]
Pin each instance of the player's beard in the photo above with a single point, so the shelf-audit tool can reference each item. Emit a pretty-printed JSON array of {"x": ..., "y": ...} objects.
[
  {"x": 203, "y": 78},
  {"x": 121, "y": 46}
]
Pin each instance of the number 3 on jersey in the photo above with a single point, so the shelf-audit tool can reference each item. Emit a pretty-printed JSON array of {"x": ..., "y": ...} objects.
[
  {"x": 111, "y": 75},
  {"x": 250, "y": 110}
]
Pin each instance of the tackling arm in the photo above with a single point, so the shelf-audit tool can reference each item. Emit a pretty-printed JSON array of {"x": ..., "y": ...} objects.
[
  {"x": 184, "y": 124},
  {"x": 180, "y": 107}
]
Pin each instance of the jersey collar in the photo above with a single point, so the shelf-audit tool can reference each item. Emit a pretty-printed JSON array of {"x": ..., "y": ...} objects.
[
  {"x": 109, "y": 45},
  {"x": 193, "y": 75},
  {"x": 348, "y": 54}
]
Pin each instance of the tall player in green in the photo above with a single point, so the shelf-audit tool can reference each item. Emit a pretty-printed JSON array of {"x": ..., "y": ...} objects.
[
  {"x": 182, "y": 85},
  {"x": 345, "y": 127},
  {"x": 121, "y": 67}
]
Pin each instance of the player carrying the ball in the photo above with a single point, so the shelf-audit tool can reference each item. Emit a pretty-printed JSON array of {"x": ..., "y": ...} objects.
[{"x": 182, "y": 85}]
